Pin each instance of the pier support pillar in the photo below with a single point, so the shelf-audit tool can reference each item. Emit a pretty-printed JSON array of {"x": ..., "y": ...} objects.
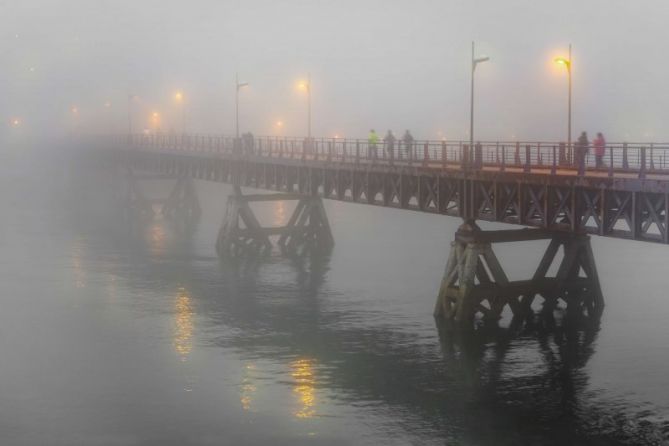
[
  {"x": 241, "y": 233},
  {"x": 182, "y": 201},
  {"x": 475, "y": 283}
]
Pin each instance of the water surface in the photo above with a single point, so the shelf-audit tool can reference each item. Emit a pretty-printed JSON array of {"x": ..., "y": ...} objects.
[{"x": 117, "y": 332}]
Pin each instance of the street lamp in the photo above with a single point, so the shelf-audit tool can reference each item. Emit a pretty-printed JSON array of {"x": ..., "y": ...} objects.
[
  {"x": 155, "y": 120},
  {"x": 475, "y": 62},
  {"x": 239, "y": 86},
  {"x": 306, "y": 85},
  {"x": 75, "y": 118},
  {"x": 279, "y": 126},
  {"x": 567, "y": 64},
  {"x": 180, "y": 99},
  {"x": 130, "y": 99}
]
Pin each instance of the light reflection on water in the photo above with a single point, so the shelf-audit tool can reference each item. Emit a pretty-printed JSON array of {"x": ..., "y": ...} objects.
[
  {"x": 302, "y": 371},
  {"x": 183, "y": 321},
  {"x": 247, "y": 388},
  {"x": 279, "y": 213}
]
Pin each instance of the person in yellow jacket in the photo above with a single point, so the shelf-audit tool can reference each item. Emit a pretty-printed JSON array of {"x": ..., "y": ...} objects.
[{"x": 372, "y": 141}]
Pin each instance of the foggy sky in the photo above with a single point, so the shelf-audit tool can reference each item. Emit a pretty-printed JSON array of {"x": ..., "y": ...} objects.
[{"x": 391, "y": 64}]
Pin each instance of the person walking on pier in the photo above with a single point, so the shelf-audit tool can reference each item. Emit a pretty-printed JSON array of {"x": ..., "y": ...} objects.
[
  {"x": 599, "y": 145},
  {"x": 372, "y": 141},
  {"x": 580, "y": 150},
  {"x": 407, "y": 139},
  {"x": 389, "y": 141}
]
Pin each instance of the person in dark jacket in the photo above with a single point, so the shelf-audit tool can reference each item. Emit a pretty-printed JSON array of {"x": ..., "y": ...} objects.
[
  {"x": 580, "y": 150},
  {"x": 408, "y": 140},
  {"x": 389, "y": 141}
]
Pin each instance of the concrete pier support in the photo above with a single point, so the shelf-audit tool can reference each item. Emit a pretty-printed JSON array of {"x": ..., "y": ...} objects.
[
  {"x": 241, "y": 233},
  {"x": 475, "y": 283}
]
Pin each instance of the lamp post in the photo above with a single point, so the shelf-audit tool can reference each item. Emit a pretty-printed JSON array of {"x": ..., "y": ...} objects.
[
  {"x": 180, "y": 99},
  {"x": 307, "y": 86},
  {"x": 567, "y": 64},
  {"x": 239, "y": 86},
  {"x": 130, "y": 99},
  {"x": 475, "y": 62}
]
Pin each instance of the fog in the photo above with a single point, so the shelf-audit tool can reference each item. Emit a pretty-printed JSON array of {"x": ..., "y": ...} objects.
[{"x": 373, "y": 64}]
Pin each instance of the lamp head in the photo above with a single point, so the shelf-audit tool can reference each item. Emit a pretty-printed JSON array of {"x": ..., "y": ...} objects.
[{"x": 563, "y": 61}]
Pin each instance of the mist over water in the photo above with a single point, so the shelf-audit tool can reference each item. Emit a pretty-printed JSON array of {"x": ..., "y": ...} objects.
[
  {"x": 127, "y": 332},
  {"x": 117, "y": 329}
]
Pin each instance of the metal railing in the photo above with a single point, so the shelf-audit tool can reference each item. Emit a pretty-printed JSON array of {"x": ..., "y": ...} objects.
[{"x": 555, "y": 158}]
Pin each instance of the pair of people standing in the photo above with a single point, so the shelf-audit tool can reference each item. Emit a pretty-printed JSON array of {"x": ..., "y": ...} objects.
[
  {"x": 582, "y": 146},
  {"x": 389, "y": 143}
]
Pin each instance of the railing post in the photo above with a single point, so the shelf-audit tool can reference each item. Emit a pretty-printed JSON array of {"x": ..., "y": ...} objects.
[
  {"x": 626, "y": 164},
  {"x": 503, "y": 166},
  {"x": 554, "y": 165},
  {"x": 373, "y": 152},
  {"x": 426, "y": 153},
  {"x": 528, "y": 160},
  {"x": 611, "y": 161},
  {"x": 539, "y": 159},
  {"x": 329, "y": 158},
  {"x": 478, "y": 154},
  {"x": 444, "y": 154},
  {"x": 563, "y": 154},
  {"x": 357, "y": 151},
  {"x": 642, "y": 167},
  {"x": 464, "y": 162},
  {"x": 652, "y": 163},
  {"x": 343, "y": 152},
  {"x": 517, "y": 157}
]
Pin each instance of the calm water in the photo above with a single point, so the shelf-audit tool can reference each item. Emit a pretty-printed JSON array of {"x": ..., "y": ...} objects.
[{"x": 114, "y": 333}]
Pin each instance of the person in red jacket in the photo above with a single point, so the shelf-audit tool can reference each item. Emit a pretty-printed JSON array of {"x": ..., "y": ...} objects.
[{"x": 599, "y": 145}]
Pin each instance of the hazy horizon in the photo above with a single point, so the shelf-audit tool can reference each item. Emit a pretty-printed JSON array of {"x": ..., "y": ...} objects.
[{"x": 372, "y": 65}]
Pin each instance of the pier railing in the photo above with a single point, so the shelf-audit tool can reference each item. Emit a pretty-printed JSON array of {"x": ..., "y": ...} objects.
[{"x": 555, "y": 158}]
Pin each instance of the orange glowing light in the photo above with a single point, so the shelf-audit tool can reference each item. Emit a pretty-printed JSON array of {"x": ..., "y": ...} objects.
[{"x": 302, "y": 85}]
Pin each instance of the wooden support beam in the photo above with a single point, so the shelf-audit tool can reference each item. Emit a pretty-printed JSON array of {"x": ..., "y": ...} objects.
[
  {"x": 502, "y": 236},
  {"x": 271, "y": 197},
  {"x": 461, "y": 297},
  {"x": 308, "y": 227}
]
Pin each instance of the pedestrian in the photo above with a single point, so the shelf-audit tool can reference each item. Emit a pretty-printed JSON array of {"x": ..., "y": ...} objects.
[
  {"x": 389, "y": 141},
  {"x": 580, "y": 150},
  {"x": 599, "y": 144},
  {"x": 372, "y": 141},
  {"x": 407, "y": 139}
]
